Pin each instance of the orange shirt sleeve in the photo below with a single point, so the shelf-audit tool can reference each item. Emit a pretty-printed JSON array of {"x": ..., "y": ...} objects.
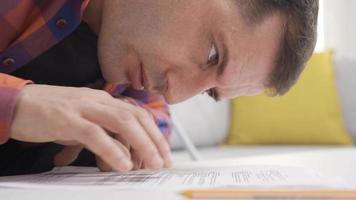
[{"x": 10, "y": 88}]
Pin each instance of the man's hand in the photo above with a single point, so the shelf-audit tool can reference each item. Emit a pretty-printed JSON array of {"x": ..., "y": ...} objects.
[
  {"x": 81, "y": 115},
  {"x": 70, "y": 153}
]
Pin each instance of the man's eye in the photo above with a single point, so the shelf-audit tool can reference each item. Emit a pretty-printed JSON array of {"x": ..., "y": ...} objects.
[
  {"x": 212, "y": 93},
  {"x": 213, "y": 58}
]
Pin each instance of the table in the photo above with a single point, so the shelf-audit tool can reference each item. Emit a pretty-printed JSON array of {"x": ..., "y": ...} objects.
[{"x": 334, "y": 161}]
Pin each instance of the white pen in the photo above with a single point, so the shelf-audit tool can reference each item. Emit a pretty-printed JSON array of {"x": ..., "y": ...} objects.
[{"x": 187, "y": 142}]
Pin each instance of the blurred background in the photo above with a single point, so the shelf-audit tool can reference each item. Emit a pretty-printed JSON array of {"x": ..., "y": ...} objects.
[{"x": 319, "y": 111}]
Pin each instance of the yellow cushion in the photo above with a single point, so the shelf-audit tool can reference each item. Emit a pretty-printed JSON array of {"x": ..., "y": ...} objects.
[{"x": 308, "y": 114}]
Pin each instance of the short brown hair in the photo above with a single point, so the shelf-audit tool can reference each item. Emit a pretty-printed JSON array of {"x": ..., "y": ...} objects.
[{"x": 298, "y": 41}]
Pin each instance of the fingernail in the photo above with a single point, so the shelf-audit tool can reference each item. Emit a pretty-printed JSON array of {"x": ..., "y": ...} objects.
[
  {"x": 156, "y": 162},
  {"x": 128, "y": 164},
  {"x": 125, "y": 165},
  {"x": 168, "y": 159}
]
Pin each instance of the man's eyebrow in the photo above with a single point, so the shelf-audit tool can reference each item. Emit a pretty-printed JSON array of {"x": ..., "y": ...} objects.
[{"x": 224, "y": 59}]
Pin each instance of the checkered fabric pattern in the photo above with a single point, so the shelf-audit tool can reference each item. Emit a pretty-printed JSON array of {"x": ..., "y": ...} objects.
[{"x": 29, "y": 28}]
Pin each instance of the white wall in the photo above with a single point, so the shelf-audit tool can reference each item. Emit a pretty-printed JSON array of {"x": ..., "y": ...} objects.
[
  {"x": 338, "y": 32},
  {"x": 339, "y": 25}
]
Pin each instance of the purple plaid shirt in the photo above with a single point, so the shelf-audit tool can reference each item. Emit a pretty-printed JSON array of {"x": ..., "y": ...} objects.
[{"x": 29, "y": 28}]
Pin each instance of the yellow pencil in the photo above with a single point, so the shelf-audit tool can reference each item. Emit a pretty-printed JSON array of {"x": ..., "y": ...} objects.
[{"x": 250, "y": 194}]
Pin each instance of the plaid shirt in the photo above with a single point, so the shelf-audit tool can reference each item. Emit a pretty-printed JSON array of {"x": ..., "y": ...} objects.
[{"x": 29, "y": 28}]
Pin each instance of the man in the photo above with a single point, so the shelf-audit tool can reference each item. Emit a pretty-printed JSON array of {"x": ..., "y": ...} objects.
[{"x": 169, "y": 48}]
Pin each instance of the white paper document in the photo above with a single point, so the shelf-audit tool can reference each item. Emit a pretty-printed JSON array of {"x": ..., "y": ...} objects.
[{"x": 175, "y": 179}]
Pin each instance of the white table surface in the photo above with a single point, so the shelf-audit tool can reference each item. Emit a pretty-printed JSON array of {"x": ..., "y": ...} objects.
[{"x": 333, "y": 161}]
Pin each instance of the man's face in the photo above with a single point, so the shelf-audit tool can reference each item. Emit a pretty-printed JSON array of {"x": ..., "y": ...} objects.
[{"x": 168, "y": 46}]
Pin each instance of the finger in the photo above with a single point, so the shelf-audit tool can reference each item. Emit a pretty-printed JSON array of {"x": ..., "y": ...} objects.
[
  {"x": 121, "y": 140},
  {"x": 136, "y": 161},
  {"x": 158, "y": 139},
  {"x": 97, "y": 141},
  {"x": 147, "y": 121},
  {"x": 103, "y": 166},
  {"x": 122, "y": 122},
  {"x": 135, "y": 158},
  {"x": 67, "y": 155}
]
